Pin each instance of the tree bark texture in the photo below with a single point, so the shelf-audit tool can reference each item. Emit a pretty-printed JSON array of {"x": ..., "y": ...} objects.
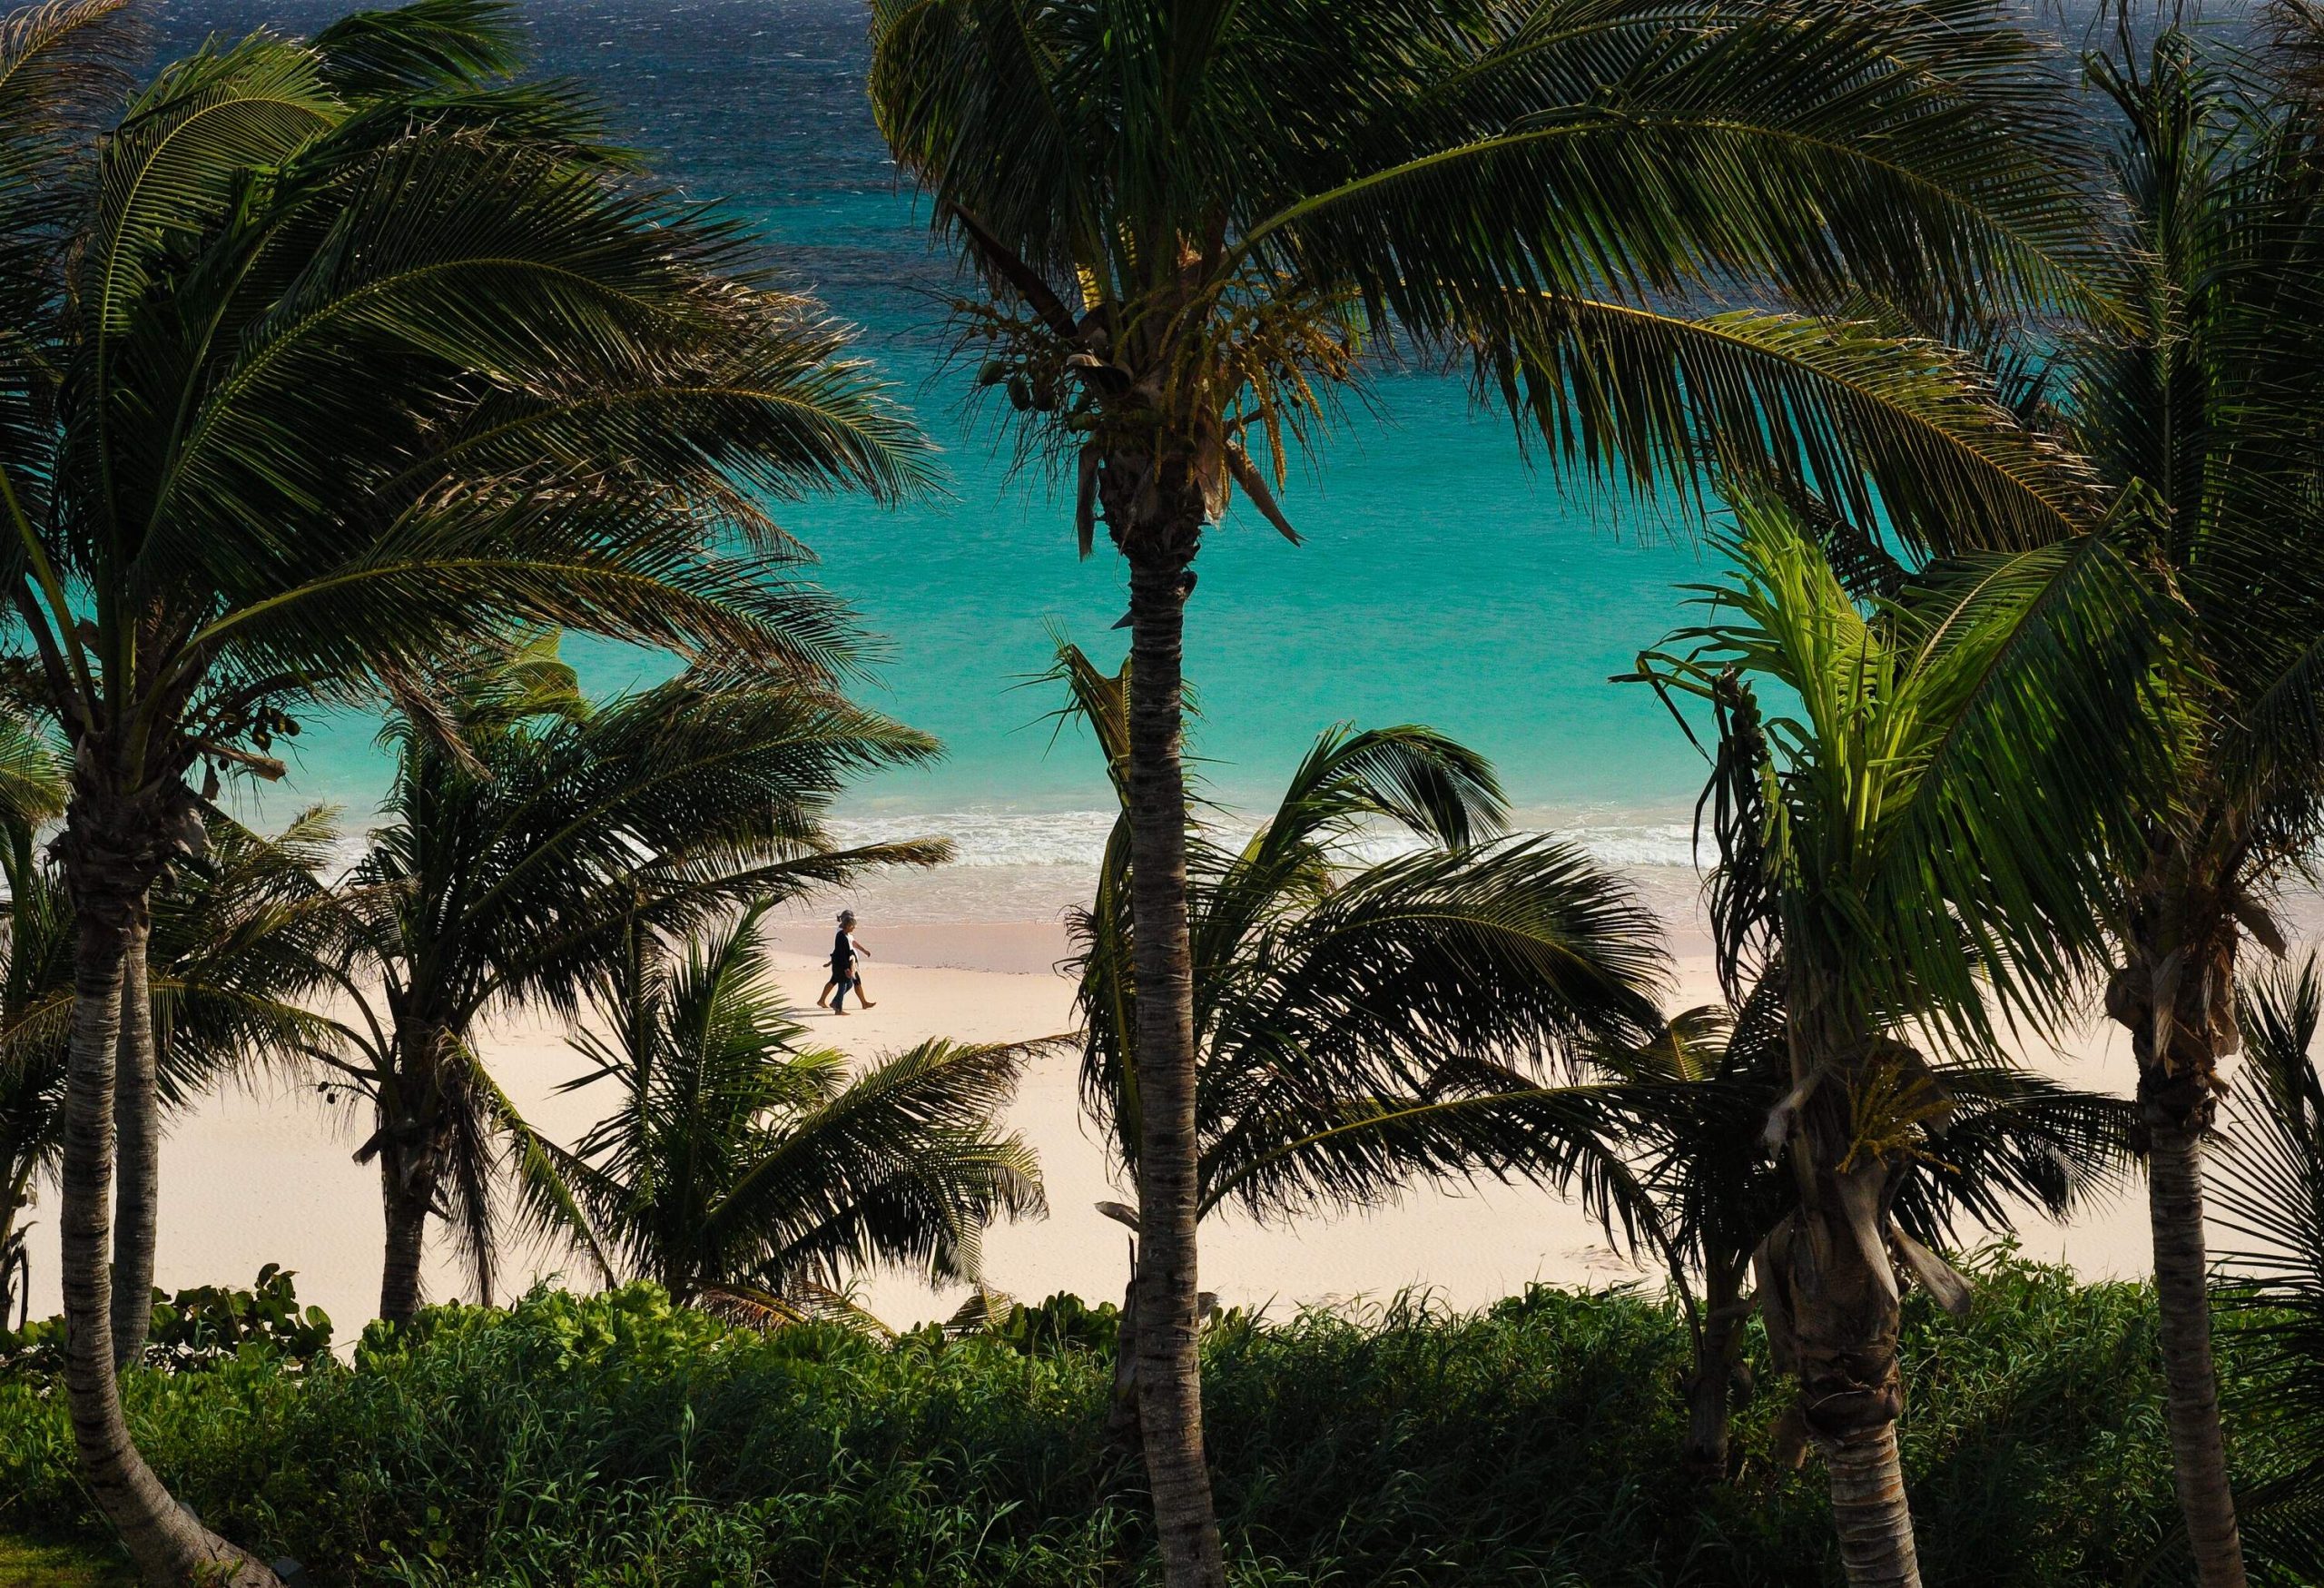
[
  {"x": 413, "y": 1143},
  {"x": 405, "y": 1209},
  {"x": 114, "y": 848},
  {"x": 2190, "y": 1383},
  {"x": 137, "y": 1150},
  {"x": 11, "y": 1259},
  {"x": 1711, "y": 1385},
  {"x": 1869, "y": 1510},
  {"x": 1829, "y": 1290},
  {"x": 1156, "y": 509},
  {"x": 2176, "y": 995}
]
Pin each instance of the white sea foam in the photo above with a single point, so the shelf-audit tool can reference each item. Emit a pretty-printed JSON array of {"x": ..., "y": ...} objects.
[
  {"x": 993, "y": 837},
  {"x": 985, "y": 838}
]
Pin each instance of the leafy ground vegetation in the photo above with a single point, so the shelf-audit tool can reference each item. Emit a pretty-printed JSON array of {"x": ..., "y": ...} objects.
[{"x": 618, "y": 1440}]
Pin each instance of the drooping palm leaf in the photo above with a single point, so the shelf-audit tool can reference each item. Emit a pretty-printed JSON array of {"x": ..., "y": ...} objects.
[
  {"x": 2267, "y": 1189},
  {"x": 1364, "y": 1025},
  {"x": 1534, "y": 183},
  {"x": 2028, "y": 670},
  {"x": 532, "y": 836},
  {"x": 734, "y": 1161}
]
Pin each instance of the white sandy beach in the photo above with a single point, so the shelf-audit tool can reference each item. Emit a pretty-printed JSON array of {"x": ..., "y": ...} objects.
[{"x": 261, "y": 1176}]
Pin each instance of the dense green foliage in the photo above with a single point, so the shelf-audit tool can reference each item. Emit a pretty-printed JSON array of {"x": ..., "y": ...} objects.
[
  {"x": 618, "y": 1440},
  {"x": 201, "y": 1327}
]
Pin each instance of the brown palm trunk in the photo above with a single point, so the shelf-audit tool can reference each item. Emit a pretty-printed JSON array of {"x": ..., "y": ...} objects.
[
  {"x": 1868, "y": 1508},
  {"x": 1160, "y": 548},
  {"x": 1833, "y": 1322},
  {"x": 137, "y": 1125},
  {"x": 2179, "y": 1086},
  {"x": 9, "y": 1257},
  {"x": 412, "y": 1145},
  {"x": 406, "y": 1194},
  {"x": 2191, "y": 1384},
  {"x": 1710, "y": 1386},
  {"x": 169, "y": 1544},
  {"x": 1831, "y": 1294}
]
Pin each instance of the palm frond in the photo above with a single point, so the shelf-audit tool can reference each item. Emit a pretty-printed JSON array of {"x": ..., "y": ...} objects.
[
  {"x": 1347, "y": 1010},
  {"x": 901, "y": 1167},
  {"x": 735, "y": 1160},
  {"x": 420, "y": 45},
  {"x": 2033, "y": 670},
  {"x": 1896, "y": 430},
  {"x": 2266, "y": 1187}
]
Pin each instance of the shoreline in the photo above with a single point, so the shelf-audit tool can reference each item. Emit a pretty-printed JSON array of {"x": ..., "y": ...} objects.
[{"x": 264, "y": 1172}]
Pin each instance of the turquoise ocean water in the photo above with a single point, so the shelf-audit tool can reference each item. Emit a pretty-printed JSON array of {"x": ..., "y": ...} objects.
[{"x": 1442, "y": 580}]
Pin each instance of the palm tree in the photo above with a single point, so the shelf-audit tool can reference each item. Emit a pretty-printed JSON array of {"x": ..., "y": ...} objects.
[
  {"x": 1362, "y": 1026},
  {"x": 1899, "y": 848},
  {"x": 2210, "y": 409},
  {"x": 751, "y": 1176},
  {"x": 1195, "y": 221},
  {"x": 2270, "y": 1192},
  {"x": 233, "y": 960},
  {"x": 329, "y": 358},
  {"x": 519, "y": 854},
  {"x": 2006, "y": 1139}
]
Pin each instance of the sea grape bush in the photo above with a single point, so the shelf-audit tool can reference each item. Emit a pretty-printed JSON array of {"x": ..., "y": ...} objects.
[{"x": 198, "y": 1328}]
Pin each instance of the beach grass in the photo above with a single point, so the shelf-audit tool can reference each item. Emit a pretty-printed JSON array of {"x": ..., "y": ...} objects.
[{"x": 27, "y": 1564}]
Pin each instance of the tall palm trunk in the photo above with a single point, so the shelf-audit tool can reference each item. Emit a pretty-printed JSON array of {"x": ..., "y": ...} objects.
[
  {"x": 1829, "y": 1293},
  {"x": 2179, "y": 1087},
  {"x": 406, "y": 1202},
  {"x": 137, "y": 1172},
  {"x": 10, "y": 1257},
  {"x": 1833, "y": 1319},
  {"x": 411, "y": 1147},
  {"x": 1717, "y": 1363},
  {"x": 1158, "y": 527},
  {"x": 114, "y": 851}
]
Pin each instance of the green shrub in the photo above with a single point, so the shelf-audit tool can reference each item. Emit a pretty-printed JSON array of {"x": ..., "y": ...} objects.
[
  {"x": 196, "y": 1328},
  {"x": 618, "y": 1440}
]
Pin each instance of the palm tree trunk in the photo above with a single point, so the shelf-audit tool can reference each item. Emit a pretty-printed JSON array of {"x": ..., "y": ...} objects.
[
  {"x": 1710, "y": 1386},
  {"x": 1168, "y": 1363},
  {"x": 1869, "y": 1510},
  {"x": 2191, "y": 1384},
  {"x": 408, "y": 1193},
  {"x": 2179, "y": 1087},
  {"x": 1838, "y": 1330},
  {"x": 169, "y": 1544},
  {"x": 8, "y": 1255},
  {"x": 1831, "y": 1298},
  {"x": 137, "y": 1125},
  {"x": 411, "y": 1162}
]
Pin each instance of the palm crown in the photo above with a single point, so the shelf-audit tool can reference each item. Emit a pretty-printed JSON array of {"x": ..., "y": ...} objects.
[
  {"x": 1364, "y": 1024},
  {"x": 739, "y": 1169},
  {"x": 572, "y": 393},
  {"x": 530, "y": 834},
  {"x": 330, "y": 358},
  {"x": 1202, "y": 216}
]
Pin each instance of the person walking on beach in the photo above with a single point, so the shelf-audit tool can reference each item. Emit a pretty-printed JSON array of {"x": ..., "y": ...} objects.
[{"x": 846, "y": 952}]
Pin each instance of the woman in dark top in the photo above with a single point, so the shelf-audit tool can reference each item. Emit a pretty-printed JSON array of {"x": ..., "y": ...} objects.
[{"x": 846, "y": 953}]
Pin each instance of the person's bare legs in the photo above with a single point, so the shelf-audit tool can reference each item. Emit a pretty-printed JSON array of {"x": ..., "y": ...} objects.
[
  {"x": 821, "y": 998},
  {"x": 858, "y": 995}
]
